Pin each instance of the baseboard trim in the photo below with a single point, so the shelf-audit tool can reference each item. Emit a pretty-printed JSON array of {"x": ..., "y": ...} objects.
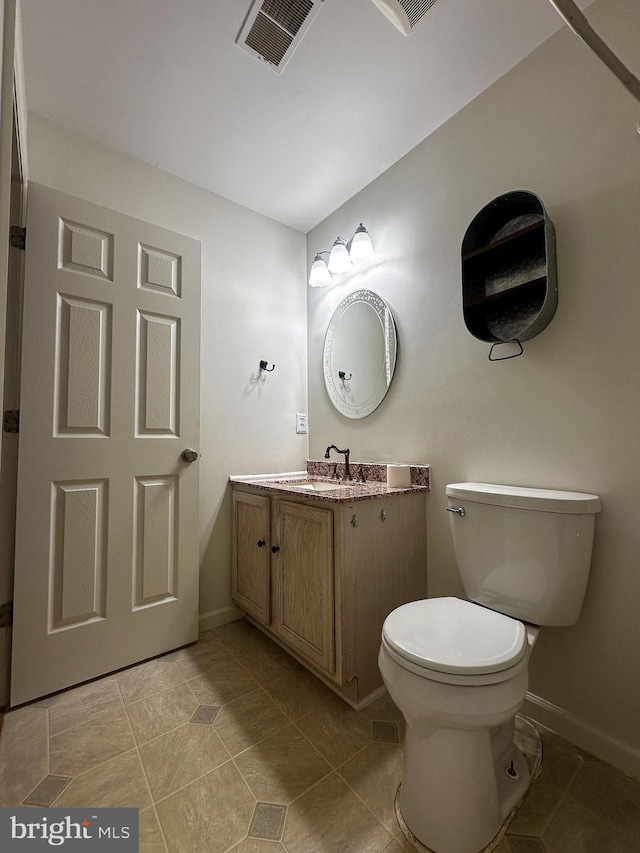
[
  {"x": 581, "y": 734},
  {"x": 215, "y": 618}
]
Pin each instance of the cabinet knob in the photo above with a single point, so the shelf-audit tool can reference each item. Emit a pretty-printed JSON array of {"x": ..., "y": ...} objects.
[
  {"x": 275, "y": 549},
  {"x": 261, "y": 542}
]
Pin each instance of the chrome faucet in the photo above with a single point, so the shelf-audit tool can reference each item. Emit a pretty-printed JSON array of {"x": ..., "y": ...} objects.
[{"x": 347, "y": 469}]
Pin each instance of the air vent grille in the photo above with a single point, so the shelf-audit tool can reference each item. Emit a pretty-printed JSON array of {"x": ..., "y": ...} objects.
[
  {"x": 290, "y": 15},
  {"x": 415, "y": 9},
  {"x": 405, "y": 14},
  {"x": 267, "y": 39},
  {"x": 273, "y": 29}
]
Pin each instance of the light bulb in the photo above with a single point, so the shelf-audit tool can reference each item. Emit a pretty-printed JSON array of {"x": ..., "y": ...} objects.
[
  {"x": 319, "y": 275},
  {"x": 339, "y": 260},
  {"x": 361, "y": 246}
]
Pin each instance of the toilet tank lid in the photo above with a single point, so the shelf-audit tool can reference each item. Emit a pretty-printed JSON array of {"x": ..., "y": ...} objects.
[{"x": 542, "y": 500}]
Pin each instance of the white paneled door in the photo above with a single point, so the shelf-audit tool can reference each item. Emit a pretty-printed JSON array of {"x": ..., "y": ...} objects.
[{"x": 106, "y": 570}]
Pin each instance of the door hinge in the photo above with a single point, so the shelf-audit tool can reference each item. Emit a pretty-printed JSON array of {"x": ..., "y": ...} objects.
[
  {"x": 6, "y": 614},
  {"x": 18, "y": 237},
  {"x": 11, "y": 420}
]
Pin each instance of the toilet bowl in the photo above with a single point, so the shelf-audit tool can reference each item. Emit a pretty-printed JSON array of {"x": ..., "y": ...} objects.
[
  {"x": 459, "y": 739},
  {"x": 458, "y": 669}
]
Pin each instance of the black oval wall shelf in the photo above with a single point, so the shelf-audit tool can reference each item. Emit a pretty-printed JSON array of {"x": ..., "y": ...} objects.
[{"x": 509, "y": 279}]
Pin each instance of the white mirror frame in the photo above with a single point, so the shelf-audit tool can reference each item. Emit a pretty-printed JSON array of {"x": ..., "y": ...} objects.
[{"x": 340, "y": 333}]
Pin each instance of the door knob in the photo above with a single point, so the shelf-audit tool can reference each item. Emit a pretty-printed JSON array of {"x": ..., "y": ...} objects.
[{"x": 189, "y": 455}]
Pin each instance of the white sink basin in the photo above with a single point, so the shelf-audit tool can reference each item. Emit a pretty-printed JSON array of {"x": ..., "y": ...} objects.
[{"x": 313, "y": 486}]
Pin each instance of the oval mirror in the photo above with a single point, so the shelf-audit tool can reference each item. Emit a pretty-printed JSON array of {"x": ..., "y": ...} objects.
[{"x": 359, "y": 353}]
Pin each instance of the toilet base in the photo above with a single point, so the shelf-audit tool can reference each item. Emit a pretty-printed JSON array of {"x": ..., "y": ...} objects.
[{"x": 528, "y": 746}]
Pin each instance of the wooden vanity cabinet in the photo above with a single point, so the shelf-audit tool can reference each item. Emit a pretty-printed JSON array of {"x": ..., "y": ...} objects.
[{"x": 328, "y": 575}]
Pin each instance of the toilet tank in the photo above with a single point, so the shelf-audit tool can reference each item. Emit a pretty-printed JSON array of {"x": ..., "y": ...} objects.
[{"x": 523, "y": 552}]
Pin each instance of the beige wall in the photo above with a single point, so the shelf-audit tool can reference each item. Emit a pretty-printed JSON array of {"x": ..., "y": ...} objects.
[
  {"x": 253, "y": 307},
  {"x": 564, "y": 415}
]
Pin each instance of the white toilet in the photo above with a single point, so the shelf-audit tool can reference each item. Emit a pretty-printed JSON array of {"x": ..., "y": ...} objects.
[{"x": 458, "y": 670}]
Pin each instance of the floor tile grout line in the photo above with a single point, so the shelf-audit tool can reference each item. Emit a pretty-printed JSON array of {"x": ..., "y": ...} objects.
[
  {"x": 287, "y": 805},
  {"x": 254, "y": 805},
  {"x": 222, "y": 743},
  {"x": 335, "y": 769},
  {"x": 157, "y": 737},
  {"x": 155, "y": 692},
  {"x": 310, "y": 788},
  {"x": 379, "y": 822},
  {"x": 92, "y": 768},
  {"x": 124, "y": 703},
  {"x": 153, "y": 804},
  {"x": 258, "y": 742},
  {"x": 315, "y": 785},
  {"x": 312, "y": 744},
  {"x": 146, "y": 780},
  {"x": 191, "y": 782},
  {"x": 114, "y": 675},
  {"x": 235, "y": 698},
  {"x": 48, "y": 725},
  {"x": 206, "y": 668},
  {"x": 187, "y": 722},
  {"x": 162, "y": 835},
  {"x": 554, "y": 811},
  {"x": 89, "y": 719}
]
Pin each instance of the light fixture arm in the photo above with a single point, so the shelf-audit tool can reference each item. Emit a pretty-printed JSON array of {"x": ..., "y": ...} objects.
[{"x": 568, "y": 10}]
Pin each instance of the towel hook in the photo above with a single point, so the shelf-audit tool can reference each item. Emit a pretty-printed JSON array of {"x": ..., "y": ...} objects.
[
  {"x": 263, "y": 366},
  {"x": 344, "y": 376}
]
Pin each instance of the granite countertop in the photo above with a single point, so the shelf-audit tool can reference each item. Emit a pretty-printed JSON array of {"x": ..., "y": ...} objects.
[{"x": 343, "y": 491}]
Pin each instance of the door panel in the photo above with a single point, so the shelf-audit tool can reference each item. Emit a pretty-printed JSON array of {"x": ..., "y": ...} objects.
[
  {"x": 82, "y": 397},
  {"x": 157, "y": 376},
  {"x": 107, "y": 513},
  {"x": 155, "y": 540},
  {"x": 78, "y": 582}
]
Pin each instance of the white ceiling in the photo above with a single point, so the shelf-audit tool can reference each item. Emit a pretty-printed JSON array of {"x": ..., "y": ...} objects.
[{"x": 164, "y": 81}]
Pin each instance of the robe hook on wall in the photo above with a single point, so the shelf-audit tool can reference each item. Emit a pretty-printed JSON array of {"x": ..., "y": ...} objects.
[
  {"x": 344, "y": 376},
  {"x": 263, "y": 366}
]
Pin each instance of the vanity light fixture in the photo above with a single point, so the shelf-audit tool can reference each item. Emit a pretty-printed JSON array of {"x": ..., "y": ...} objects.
[{"x": 343, "y": 254}]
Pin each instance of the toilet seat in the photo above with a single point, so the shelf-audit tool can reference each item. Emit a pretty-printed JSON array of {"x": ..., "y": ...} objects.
[{"x": 455, "y": 641}]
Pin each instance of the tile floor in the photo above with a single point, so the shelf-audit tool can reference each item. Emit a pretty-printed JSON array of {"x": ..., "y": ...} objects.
[{"x": 231, "y": 745}]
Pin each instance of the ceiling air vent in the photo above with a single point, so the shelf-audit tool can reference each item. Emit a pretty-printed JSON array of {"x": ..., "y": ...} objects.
[
  {"x": 405, "y": 14},
  {"x": 274, "y": 28}
]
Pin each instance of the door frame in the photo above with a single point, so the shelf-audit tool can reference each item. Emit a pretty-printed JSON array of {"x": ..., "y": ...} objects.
[{"x": 13, "y": 190}]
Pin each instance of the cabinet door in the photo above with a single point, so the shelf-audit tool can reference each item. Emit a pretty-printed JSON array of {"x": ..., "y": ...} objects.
[
  {"x": 303, "y": 602},
  {"x": 251, "y": 576}
]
